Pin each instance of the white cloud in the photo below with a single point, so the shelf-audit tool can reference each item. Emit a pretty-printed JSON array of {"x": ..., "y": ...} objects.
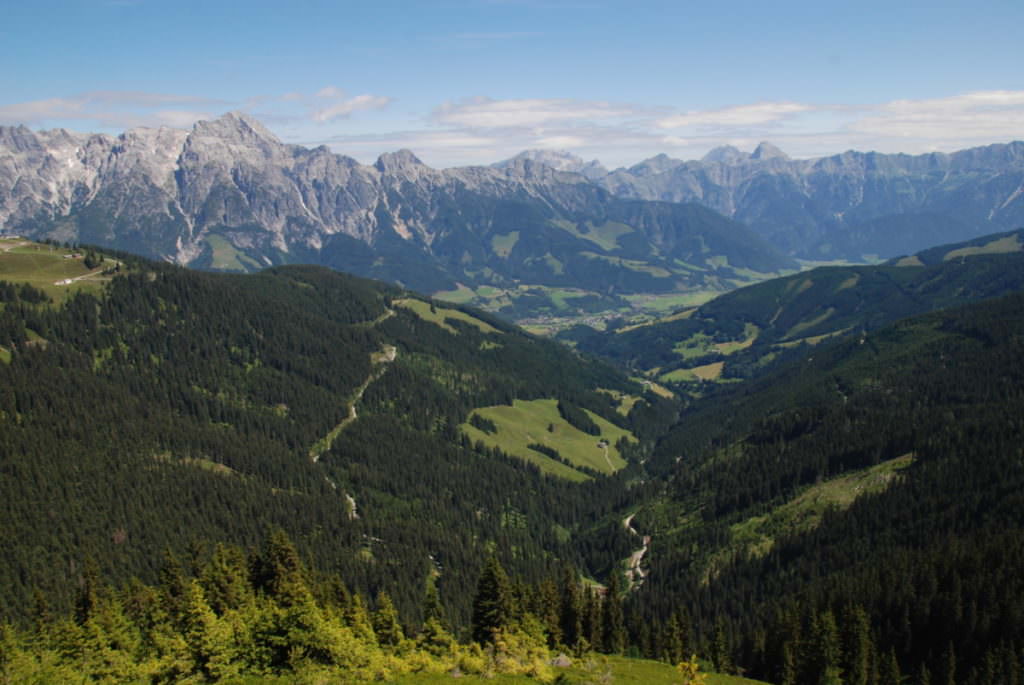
[
  {"x": 482, "y": 112},
  {"x": 330, "y": 92},
  {"x": 347, "y": 107},
  {"x": 108, "y": 109},
  {"x": 560, "y": 142},
  {"x": 742, "y": 115},
  {"x": 991, "y": 115}
]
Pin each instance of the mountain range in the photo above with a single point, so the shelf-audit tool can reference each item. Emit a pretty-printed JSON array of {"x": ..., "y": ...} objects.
[
  {"x": 228, "y": 195},
  {"x": 853, "y": 205}
]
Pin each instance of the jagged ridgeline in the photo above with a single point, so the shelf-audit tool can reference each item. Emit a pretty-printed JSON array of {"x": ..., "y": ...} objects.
[
  {"x": 170, "y": 406},
  {"x": 229, "y": 196}
]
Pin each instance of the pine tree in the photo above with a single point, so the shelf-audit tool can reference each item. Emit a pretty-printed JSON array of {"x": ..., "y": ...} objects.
[
  {"x": 824, "y": 661},
  {"x": 432, "y": 607},
  {"x": 856, "y": 646},
  {"x": 88, "y": 591},
  {"x": 614, "y": 622},
  {"x": 385, "y": 621},
  {"x": 571, "y": 608},
  {"x": 279, "y": 571},
  {"x": 948, "y": 676},
  {"x": 672, "y": 647},
  {"x": 546, "y": 607},
  {"x": 492, "y": 605},
  {"x": 358, "y": 619},
  {"x": 890, "y": 670}
]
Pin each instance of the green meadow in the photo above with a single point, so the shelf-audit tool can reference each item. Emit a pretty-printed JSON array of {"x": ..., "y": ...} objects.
[{"x": 538, "y": 421}]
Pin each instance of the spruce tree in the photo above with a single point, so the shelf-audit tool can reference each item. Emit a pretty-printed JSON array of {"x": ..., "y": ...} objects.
[
  {"x": 614, "y": 622},
  {"x": 385, "y": 621},
  {"x": 492, "y": 605}
]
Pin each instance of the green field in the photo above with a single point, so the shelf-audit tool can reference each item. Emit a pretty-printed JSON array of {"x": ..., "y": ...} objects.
[
  {"x": 805, "y": 511},
  {"x": 503, "y": 244},
  {"x": 442, "y": 316},
  {"x": 631, "y": 264},
  {"x": 626, "y": 402},
  {"x": 229, "y": 258},
  {"x": 1010, "y": 243},
  {"x": 605, "y": 236},
  {"x": 44, "y": 266},
  {"x": 527, "y": 422},
  {"x": 461, "y": 295}
]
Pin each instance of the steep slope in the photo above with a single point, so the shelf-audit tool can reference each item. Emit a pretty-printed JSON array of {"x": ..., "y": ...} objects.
[
  {"x": 228, "y": 195},
  {"x": 845, "y": 206},
  {"x": 873, "y": 487},
  {"x": 740, "y": 332},
  {"x": 175, "y": 406}
]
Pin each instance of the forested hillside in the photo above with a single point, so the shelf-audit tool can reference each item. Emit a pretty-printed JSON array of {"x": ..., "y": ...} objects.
[
  {"x": 176, "y": 407},
  {"x": 856, "y": 514},
  {"x": 173, "y": 442}
]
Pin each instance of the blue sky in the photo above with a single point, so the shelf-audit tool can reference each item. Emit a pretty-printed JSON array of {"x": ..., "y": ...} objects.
[{"x": 475, "y": 81}]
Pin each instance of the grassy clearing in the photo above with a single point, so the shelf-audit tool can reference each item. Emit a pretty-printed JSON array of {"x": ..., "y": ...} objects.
[
  {"x": 502, "y": 244},
  {"x": 597, "y": 668},
  {"x": 44, "y": 266},
  {"x": 606, "y": 236},
  {"x": 441, "y": 316},
  {"x": 814, "y": 339},
  {"x": 1010, "y": 243},
  {"x": 198, "y": 463},
  {"x": 805, "y": 325},
  {"x": 626, "y": 402},
  {"x": 538, "y": 421},
  {"x": 227, "y": 257},
  {"x": 631, "y": 264},
  {"x": 804, "y": 512},
  {"x": 708, "y": 372},
  {"x": 750, "y": 333},
  {"x": 913, "y": 260},
  {"x": 848, "y": 283},
  {"x": 461, "y": 295},
  {"x": 659, "y": 390},
  {"x": 670, "y": 302}
]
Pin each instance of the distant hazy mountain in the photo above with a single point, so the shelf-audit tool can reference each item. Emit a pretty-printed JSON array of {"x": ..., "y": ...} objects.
[
  {"x": 229, "y": 195},
  {"x": 850, "y": 205},
  {"x": 560, "y": 160}
]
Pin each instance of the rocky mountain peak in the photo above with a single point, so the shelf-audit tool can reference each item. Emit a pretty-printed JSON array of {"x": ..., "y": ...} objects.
[
  {"x": 235, "y": 127},
  {"x": 18, "y": 138},
  {"x": 402, "y": 160},
  {"x": 559, "y": 160},
  {"x": 725, "y": 154},
  {"x": 654, "y": 165},
  {"x": 766, "y": 151}
]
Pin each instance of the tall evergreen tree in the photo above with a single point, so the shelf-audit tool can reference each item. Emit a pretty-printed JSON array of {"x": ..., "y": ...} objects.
[
  {"x": 614, "y": 622},
  {"x": 492, "y": 605},
  {"x": 385, "y": 621},
  {"x": 856, "y": 635}
]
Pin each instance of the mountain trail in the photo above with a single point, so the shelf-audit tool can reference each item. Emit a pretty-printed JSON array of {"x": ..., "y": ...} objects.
[
  {"x": 378, "y": 360},
  {"x": 634, "y": 574}
]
